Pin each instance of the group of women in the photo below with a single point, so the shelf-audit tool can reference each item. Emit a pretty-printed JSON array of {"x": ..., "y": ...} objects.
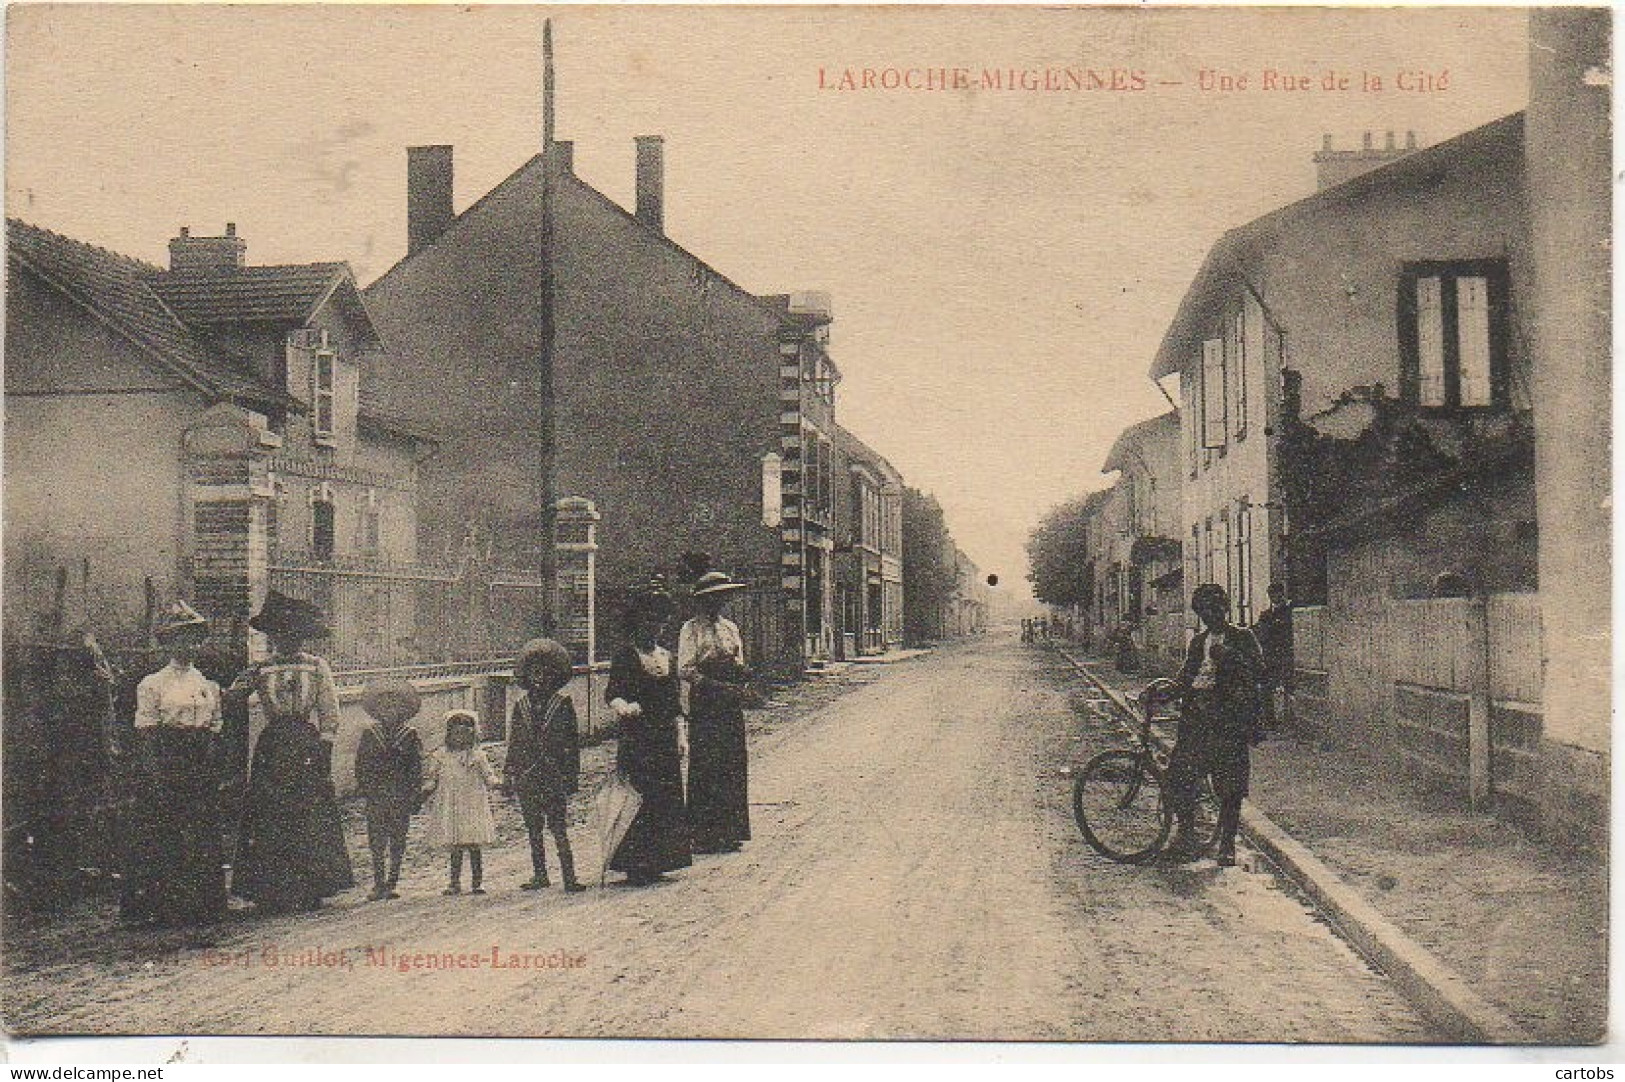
[
  {"x": 290, "y": 842},
  {"x": 650, "y": 692},
  {"x": 291, "y": 853}
]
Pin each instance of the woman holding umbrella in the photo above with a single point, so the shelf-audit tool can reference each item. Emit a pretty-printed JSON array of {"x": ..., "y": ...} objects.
[
  {"x": 292, "y": 849},
  {"x": 175, "y": 874},
  {"x": 711, "y": 662},
  {"x": 643, "y": 693}
]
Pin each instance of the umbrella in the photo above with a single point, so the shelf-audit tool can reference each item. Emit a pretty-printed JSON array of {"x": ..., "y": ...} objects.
[{"x": 615, "y": 805}]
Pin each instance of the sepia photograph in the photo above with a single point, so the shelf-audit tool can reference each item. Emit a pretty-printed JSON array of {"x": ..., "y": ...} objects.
[{"x": 808, "y": 523}]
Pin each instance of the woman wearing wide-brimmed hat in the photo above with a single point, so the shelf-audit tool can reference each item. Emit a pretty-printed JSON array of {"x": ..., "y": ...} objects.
[
  {"x": 711, "y": 663},
  {"x": 643, "y": 693},
  {"x": 174, "y": 873},
  {"x": 291, "y": 854}
]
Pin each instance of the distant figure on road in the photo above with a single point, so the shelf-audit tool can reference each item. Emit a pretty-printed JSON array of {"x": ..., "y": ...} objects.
[
  {"x": 292, "y": 850},
  {"x": 711, "y": 662},
  {"x": 1221, "y": 718},
  {"x": 643, "y": 692},
  {"x": 1274, "y": 631}
]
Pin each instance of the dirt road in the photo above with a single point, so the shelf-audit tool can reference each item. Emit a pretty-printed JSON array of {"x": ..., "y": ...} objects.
[{"x": 915, "y": 874}]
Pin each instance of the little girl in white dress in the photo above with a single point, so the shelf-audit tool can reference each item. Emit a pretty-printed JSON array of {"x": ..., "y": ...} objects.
[{"x": 460, "y": 807}]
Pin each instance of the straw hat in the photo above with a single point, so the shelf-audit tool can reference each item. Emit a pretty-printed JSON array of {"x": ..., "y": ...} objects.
[
  {"x": 179, "y": 618},
  {"x": 392, "y": 700},
  {"x": 554, "y": 659},
  {"x": 715, "y": 582},
  {"x": 284, "y": 615}
]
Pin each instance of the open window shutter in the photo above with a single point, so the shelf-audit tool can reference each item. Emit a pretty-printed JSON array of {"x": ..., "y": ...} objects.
[{"x": 1213, "y": 394}]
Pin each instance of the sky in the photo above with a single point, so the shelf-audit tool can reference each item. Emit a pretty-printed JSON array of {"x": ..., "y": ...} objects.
[{"x": 1003, "y": 263}]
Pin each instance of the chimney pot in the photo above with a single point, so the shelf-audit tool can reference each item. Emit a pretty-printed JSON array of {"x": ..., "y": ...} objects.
[
  {"x": 428, "y": 196},
  {"x": 1326, "y": 141},
  {"x": 651, "y": 181},
  {"x": 1367, "y": 143},
  {"x": 186, "y": 231},
  {"x": 231, "y": 229},
  {"x": 1410, "y": 140},
  {"x": 1390, "y": 141}
]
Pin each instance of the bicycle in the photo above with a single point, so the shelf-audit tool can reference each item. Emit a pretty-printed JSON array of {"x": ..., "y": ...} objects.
[{"x": 1121, "y": 801}]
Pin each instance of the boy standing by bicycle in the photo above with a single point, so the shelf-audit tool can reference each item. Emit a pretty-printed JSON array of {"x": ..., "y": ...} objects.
[{"x": 1222, "y": 717}]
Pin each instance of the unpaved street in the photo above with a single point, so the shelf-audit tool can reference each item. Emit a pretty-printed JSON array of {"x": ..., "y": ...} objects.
[{"x": 915, "y": 874}]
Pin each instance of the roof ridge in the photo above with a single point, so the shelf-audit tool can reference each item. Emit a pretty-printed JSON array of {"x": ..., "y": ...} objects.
[{"x": 77, "y": 243}]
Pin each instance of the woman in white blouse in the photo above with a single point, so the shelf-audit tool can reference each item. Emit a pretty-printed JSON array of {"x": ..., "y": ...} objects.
[
  {"x": 711, "y": 663},
  {"x": 175, "y": 872}
]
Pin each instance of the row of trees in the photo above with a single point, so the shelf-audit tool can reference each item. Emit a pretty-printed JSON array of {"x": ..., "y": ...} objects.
[
  {"x": 1057, "y": 553},
  {"x": 930, "y": 572}
]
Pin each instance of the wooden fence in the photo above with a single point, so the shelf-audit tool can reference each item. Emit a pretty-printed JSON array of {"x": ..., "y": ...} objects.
[{"x": 1452, "y": 686}]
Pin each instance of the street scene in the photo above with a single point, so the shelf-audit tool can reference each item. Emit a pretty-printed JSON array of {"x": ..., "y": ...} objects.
[
  {"x": 882, "y": 901},
  {"x": 1022, "y": 524}
]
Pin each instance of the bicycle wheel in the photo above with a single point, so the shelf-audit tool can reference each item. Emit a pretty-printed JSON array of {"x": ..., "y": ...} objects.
[
  {"x": 1118, "y": 803},
  {"x": 1205, "y": 834}
]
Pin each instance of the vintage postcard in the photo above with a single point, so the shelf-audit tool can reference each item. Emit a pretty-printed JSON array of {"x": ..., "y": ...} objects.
[{"x": 1078, "y": 524}]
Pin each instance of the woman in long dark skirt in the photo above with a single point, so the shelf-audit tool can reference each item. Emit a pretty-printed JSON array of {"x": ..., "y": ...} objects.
[
  {"x": 292, "y": 853},
  {"x": 711, "y": 662},
  {"x": 643, "y": 692},
  {"x": 174, "y": 872}
]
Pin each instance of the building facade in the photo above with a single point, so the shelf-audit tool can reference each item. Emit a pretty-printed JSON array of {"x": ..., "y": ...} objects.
[
  {"x": 1146, "y": 556},
  {"x": 1357, "y": 424},
  {"x": 235, "y": 399},
  {"x": 869, "y": 549},
  {"x": 568, "y": 348}
]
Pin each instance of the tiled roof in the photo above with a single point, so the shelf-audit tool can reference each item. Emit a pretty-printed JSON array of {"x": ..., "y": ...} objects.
[
  {"x": 1499, "y": 141},
  {"x": 285, "y": 293},
  {"x": 115, "y": 289}
]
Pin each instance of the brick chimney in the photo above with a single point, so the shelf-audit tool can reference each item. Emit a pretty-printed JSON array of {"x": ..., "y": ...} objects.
[
  {"x": 652, "y": 181},
  {"x": 189, "y": 253},
  {"x": 1333, "y": 166},
  {"x": 428, "y": 196}
]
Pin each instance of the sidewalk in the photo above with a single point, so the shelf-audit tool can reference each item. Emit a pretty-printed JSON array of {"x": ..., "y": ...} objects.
[{"x": 1525, "y": 926}]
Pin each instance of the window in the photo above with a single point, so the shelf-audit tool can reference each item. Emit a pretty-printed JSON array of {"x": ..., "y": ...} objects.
[
  {"x": 1213, "y": 394},
  {"x": 1235, "y": 360},
  {"x": 1244, "y": 563},
  {"x": 810, "y": 497},
  {"x": 322, "y": 395},
  {"x": 322, "y": 521},
  {"x": 1192, "y": 420},
  {"x": 1195, "y": 554},
  {"x": 1453, "y": 333},
  {"x": 371, "y": 523}
]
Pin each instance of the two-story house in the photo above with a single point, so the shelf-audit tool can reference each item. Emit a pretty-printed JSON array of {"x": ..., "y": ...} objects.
[
  {"x": 568, "y": 348},
  {"x": 1357, "y": 424},
  {"x": 1151, "y": 604},
  {"x": 869, "y": 548},
  {"x": 228, "y": 401}
]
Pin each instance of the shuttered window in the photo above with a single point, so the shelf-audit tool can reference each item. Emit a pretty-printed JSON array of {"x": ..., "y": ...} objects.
[
  {"x": 1213, "y": 394},
  {"x": 1453, "y": 334}
]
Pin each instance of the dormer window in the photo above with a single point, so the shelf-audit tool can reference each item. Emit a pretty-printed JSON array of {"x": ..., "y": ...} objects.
[{"x": 322, "y": 380}]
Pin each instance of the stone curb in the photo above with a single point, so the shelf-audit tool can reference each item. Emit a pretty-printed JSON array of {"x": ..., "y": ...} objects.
[{"x": 1437, "y": 992}]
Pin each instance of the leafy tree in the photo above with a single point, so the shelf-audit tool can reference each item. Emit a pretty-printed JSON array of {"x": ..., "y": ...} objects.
[
  {"x": 930, "y": 577},
  {"x": 1057, "y": 553}
]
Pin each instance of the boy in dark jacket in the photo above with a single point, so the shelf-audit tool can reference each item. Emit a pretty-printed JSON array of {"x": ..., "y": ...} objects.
[
  {"x": 1222, "y": 717},
  {"x": 389, "y": 773},
  {"x": 543, "y": 766}
]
